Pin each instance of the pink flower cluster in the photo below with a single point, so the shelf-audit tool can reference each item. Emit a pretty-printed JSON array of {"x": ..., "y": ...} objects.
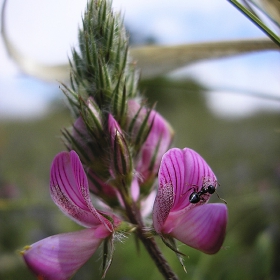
[{"x": 131, "y": 169}]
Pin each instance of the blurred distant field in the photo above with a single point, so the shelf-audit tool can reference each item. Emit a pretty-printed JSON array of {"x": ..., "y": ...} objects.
[{"x": 244, "y": 154}]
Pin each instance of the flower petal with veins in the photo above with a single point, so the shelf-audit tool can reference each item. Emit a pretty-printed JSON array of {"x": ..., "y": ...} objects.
[
  {"x": 70, "y": 192},
  {"x": 58, "y": 257},
  {"x": 184, "y": 170},
  {"x": 203, "y": 227}
]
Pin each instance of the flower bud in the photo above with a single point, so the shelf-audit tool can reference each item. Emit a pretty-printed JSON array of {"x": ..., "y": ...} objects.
[
  {"x": 82, "y": 140},
  {"x": 87, "y": 130},
  {"x": 92, "y": 116},
  {"x": 157, "y": 142},
  {"x": 103, "y": 189},
  {"x": 121, "y": 158},
  {"x": 88, "y": 139}
]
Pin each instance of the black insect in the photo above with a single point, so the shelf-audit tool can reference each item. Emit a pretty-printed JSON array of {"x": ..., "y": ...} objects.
[{"x": 197, "y": 196}]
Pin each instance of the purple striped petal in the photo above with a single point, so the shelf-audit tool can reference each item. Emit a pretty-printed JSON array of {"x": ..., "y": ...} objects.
[
  {"x": 186, "y": 171},
  {"x": 58, "y": 257},
  {"x": 202, "y": 227},
  {"x": 69, "y": 190}
]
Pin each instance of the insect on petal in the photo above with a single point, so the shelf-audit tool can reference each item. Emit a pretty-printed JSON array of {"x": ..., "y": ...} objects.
[{"x": 186, "y": 171}]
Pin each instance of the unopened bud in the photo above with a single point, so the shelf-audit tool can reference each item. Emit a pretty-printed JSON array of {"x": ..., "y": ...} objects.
[
  {"x": 158, "y": 138},
  {"x": 92, "y": 116},
  {"x": 121, "y": 158}
]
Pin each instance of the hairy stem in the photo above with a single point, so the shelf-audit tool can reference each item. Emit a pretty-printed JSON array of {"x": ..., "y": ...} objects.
[
  {"x": 135, "y": 217},
  {"x": 157, "y": 256}
]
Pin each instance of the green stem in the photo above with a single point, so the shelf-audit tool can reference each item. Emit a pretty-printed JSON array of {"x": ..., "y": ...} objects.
[
  {"x": 257, "y": 21},
  {"x": 135, "y": 217}
]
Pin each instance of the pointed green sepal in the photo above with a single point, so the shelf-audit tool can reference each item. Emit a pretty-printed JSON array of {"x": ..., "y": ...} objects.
[
  {"x": 144, "y": 129},
  {"x": 107, "y": 256},
  {"x": 119, "y": 101},
  {"x": 171, "y": 243},
  {"x": 92, "y": 117},
  {"x": 122, "y": 160}
]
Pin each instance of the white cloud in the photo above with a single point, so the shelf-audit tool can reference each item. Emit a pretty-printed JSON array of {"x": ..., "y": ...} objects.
[
  {"x": 203, "y": 20},
  {"x": 229, "y": 104},
  {"x": 44, "y": 29},
  {"x": 25, "y": 97},
  {"x": 237, "y": 80},
  {"x": 169, "y": 28}
]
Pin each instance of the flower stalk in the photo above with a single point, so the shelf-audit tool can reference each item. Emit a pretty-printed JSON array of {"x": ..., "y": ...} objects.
[{"x": 149, "y": 242}]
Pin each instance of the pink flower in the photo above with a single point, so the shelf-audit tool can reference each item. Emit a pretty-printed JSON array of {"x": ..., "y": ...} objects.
[
  {"x": 58, "y": 257},
  {"x": 199, "y": 225},
  {"x": 157, "y": 143}
]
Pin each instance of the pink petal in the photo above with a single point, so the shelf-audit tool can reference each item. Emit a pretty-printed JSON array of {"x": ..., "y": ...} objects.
[
  {"x": 202, "y": 227},
  {"x": 147, "y": 204},
  {"x": 156, "y": 144},
  {"x": 69, "y": 190},
  {"x": 134, "y": 189},
  {"x": 163, "y": 203},
  {"x": 58, "y": 257},
  {"x": 101, "y": 188},
  {"x": 186, "y": 171}
]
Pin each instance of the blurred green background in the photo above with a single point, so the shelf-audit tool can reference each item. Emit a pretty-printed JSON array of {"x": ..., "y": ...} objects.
[{"x": 244, "y": 154}]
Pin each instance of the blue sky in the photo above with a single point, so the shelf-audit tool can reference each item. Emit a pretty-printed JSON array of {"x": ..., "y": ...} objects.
[{"x": 47, "y": 30}]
